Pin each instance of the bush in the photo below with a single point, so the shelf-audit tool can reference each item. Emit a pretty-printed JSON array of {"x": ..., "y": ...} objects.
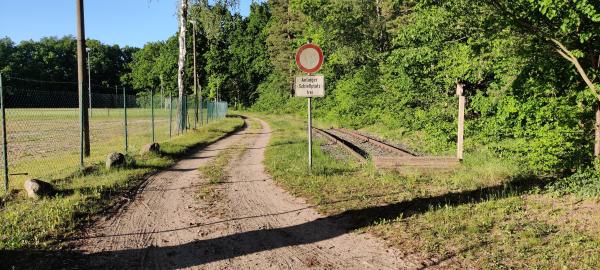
[
  {"x": 584, "y": 183},
  {"x": 356, "y": 99}
]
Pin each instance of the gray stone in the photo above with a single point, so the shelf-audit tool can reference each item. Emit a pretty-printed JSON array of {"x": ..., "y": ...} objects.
[
  {"x": 37, "y": 188},
  {"x": 115, "y": 160},
  {"x": 150, "y": 148}
]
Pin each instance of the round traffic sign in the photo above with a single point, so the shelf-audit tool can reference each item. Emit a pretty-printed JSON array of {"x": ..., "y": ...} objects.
[{"x": 309, "y": 58}]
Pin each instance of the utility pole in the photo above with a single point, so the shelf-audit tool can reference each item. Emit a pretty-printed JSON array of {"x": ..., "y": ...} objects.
[{"x": 83, "y": 112}]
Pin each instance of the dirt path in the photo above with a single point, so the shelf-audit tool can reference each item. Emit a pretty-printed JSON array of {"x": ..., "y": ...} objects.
[{"x": 260, "y": 226}]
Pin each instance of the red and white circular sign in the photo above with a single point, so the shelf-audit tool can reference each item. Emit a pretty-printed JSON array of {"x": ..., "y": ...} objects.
[{"x": 309, "y": 58}]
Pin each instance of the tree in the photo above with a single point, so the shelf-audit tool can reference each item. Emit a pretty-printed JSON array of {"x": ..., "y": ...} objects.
[
  {"x": 574, "y": 29},
  {"x": 6, "y": 50},
  {"x": 183, "y": 11}
]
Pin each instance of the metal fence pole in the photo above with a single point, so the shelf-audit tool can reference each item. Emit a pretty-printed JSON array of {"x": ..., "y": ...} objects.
[
  {"x": 125, "y": 119},
  {"x": 185, "y": 118},
  {"x": 200, "y": 101},
  {"x": 170, "y": 114},
  {"x": 152, "y": 112},
  {"x": 309, "y": 134},
  {"x": 4, "y": 145},
  {"x": 81, "y": 131},
  {"x": 187, "y": 113},
  {"x": 196, "y": 110}
]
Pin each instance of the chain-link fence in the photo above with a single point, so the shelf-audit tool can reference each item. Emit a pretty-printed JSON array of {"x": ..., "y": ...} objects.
[{"x": 43, "y": 125}]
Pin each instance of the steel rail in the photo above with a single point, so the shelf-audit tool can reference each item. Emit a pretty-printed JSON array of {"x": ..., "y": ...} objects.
[
  {"x": 344, "y": 144},
  {"x": 376, "y": 142}
]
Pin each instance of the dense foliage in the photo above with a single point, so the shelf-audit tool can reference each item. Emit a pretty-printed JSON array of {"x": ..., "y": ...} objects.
[
  {"x": 396, "y": 63},
  {"x": 392, "y": 63},
  {"x": 54, "y": 59},
  {"x": 231, "y": 55}
]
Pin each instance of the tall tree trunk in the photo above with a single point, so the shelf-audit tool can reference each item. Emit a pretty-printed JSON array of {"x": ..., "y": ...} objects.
[{"x": 183, "y": 9}]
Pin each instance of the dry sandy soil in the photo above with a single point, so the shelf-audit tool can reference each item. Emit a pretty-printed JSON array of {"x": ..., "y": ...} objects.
[{"x": 254, "y": 224}]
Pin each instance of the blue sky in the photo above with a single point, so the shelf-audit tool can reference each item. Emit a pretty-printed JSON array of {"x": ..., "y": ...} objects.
[{"x": 123, "y": 22}]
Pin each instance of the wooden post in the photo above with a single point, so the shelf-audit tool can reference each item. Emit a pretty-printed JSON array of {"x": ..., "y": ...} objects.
[
  {"x": 461, "y": 121},
  {"x": 597, "y": 133},
  {"x": 81, "y": 80}
]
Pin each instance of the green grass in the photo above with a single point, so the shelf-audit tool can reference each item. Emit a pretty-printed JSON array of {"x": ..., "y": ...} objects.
[
  {"x": 40, "y": 223},
  {"x": 214, "y": 172},
  {"x": 487, "y": 214}
]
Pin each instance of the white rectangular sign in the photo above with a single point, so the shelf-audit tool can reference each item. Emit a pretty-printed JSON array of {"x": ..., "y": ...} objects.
[{"x": 310, "y": 86}]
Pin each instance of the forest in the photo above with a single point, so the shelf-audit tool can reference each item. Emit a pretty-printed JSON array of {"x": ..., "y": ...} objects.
[{"x": 530, "y": 69}]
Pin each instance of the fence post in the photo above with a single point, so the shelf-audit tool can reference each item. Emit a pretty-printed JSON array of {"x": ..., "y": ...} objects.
[
  {"x": 170, "y": 114},
  {"x": 195, "y": 110},
  {"x": 461, "y": 121},
  {"x": 4, "y": 146},
  {"x": 208, "y": 111},
  {"x": 187, "y": 114},
  {"x": 200, "y": 101},
  {"x": 125, "y": 119},
  {"x": 152, "y": 112}
]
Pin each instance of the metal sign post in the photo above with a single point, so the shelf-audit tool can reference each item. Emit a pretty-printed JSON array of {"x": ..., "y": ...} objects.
[
  {"x": 309, "y": 59},
  {"x": 309, "y": 134}
]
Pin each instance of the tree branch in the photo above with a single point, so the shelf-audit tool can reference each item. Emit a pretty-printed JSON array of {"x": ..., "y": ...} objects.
[{"x": 564, "y": 52}]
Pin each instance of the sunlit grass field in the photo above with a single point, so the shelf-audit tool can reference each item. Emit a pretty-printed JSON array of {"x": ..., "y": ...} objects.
[{"x": 45, "y": 143}]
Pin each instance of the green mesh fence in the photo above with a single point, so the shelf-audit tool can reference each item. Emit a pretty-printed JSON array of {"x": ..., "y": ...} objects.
[{"x": 43, "y": 125}]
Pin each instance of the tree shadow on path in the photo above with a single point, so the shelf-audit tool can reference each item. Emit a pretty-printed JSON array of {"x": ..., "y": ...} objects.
[{"x": 199, "y": 252}]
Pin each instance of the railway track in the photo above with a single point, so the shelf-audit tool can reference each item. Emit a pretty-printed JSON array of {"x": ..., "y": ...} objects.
[
  {"x": 354, "y": 151},
  {"x": 384, "y": 155},
  {"x": 387, "y": 149}
]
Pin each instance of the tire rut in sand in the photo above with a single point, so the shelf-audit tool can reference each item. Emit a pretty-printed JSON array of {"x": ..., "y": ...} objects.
[{"x": 259, "y": 225}]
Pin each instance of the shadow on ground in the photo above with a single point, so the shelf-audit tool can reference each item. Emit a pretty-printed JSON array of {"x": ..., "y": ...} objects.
[{"x": 199, "y": 252}]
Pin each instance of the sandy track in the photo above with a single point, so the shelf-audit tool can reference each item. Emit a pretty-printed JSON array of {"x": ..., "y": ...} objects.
[{"x": 260, "y": 226}]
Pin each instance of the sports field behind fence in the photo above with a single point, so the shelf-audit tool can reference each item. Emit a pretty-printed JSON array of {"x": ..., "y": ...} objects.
[{"x": 43, "y": 137}]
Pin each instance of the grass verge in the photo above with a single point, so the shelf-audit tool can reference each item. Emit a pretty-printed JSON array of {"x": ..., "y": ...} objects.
[
  {"x": 484, "y": 215},
  {"x": 215, "y": 171},
  {"x": 38, "y": 224}
]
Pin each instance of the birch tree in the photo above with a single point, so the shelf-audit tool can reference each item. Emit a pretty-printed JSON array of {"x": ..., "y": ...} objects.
[{"x": 183, "y": 11}]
